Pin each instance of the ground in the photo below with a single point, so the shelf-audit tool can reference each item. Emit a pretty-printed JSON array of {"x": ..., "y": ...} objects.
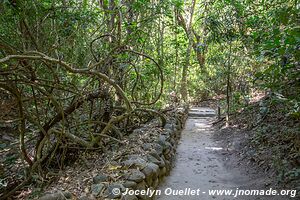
[{"x": 211, "y": 158}]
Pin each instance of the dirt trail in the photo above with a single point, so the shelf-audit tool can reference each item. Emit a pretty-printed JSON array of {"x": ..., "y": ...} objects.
[{"x": 201, "y": 163}]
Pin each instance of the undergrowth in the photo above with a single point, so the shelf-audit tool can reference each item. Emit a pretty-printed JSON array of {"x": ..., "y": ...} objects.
[{"x": 274, "y": 126}]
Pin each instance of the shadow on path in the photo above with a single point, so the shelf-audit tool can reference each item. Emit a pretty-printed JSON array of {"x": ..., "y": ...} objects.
[{"x": 200, "y": 164}]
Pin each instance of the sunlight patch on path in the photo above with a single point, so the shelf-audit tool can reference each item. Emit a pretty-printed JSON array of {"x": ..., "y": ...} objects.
[{"x": 197, "y": 165}]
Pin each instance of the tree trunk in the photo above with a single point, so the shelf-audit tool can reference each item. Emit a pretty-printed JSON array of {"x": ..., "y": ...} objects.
[
  {"x": 184, "y": 90},
  {"x": 228, "y": 86}
]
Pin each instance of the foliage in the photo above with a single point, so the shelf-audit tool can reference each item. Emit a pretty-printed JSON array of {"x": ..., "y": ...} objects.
[{"x": 76, "y": 72}]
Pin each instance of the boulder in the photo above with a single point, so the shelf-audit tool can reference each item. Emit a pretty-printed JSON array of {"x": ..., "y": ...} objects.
[
  {"x": 147, "y": 146},
  {"x": 154, "y": 154},
  {"x": 130, "y": 184},
  {"x": 115, "y": 190},
  {"x": 136, "y": 176},
  {"x": 152, "y": 159},
  {"x": 96, "y": 189},
  {"x": 158, "y": 148},
  {"x": 134, "y": 161},
  {"x": 100, "y": 178},
  {"x": 169, "y": 126},
  {"x": 162, "y": 139},
  {"x": 151, "y": 169}
]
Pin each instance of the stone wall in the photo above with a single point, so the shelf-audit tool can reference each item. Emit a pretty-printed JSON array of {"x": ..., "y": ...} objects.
[
  {"x": 149, "y": 171},
  {"x": 141, "y": 169}
]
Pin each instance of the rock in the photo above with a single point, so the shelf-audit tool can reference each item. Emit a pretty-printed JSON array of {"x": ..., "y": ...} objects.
[
  {"x": 162, "y": 163},
  {"x": 167, "y": 146},
  {"x": 155, "y": 183},
  {"x": 168, "y": 165},
  {"x": 140, "y": 131},
  {"x": 57, "y": 196},
  {"x": 169, "y": 126},
  {"x": 130, "y": 184},
  {"x": 150, "y": 169},
  {"x": 145, "y": 196},
  {"x": 100, "y": 178},
  {"x": 153, "y": 160},
  {"x": 154, "y": 154},
  {"x": 134, "y": 161},
  {"x": 114, "y": 163},
  {"x": 83, "y": 198},
  {"x": 86, "y": 198},
  {"x": 137, "y": 133},
  {"x": 97, "y": 188},
  {"x": 141, "y": 186},
  {"x": 158, "y": 160},
  {"x": 162, "y": 139},
  {"x": 169, "y": 133},
  {"x": 115, "y": 190},
  {"x": 153, "y": 147},
  {"x": 158, "y": 148},
  {"x": 162, "y": 172},
  {"x": 179, "y": 126},
  {"x": 147, "y": 146},
  {"x": 136, "y": 176},
  {"x": 129, "y": 197},
  {"x": 149, "y": 180},
  {"x": 87, "y": 190},
  {"x": 172, "y": 141},
  {"x": 151, "y": 172},
  {"x": 167, "y": 154}
]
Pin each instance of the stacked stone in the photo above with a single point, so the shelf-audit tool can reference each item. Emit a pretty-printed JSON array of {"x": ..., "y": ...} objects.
[{"x": 143, "y": 171}]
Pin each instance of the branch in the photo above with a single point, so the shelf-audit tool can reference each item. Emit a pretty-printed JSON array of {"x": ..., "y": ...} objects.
[
  {"x": 72, "y": 137},
  {"x": 41, "y": 56},
  {"x": 162, "y": 116},
  {"x": 92, "y": 42},
  {"x": 161, "y": 77},
  {"x": 22, "y": 127},
  {"x": 110, "y": 125}
]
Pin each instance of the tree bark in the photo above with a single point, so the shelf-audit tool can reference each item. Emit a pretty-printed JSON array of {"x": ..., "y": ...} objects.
[
  {"x": 188, "y": 28},
  {"x": 228, "y": 86}
]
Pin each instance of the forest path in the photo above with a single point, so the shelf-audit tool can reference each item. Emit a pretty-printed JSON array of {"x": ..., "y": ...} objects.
[{"x": 201, "y": 163}]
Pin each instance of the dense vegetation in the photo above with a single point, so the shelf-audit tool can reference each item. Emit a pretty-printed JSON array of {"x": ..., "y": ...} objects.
[{"x": 74, "y": 72}]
